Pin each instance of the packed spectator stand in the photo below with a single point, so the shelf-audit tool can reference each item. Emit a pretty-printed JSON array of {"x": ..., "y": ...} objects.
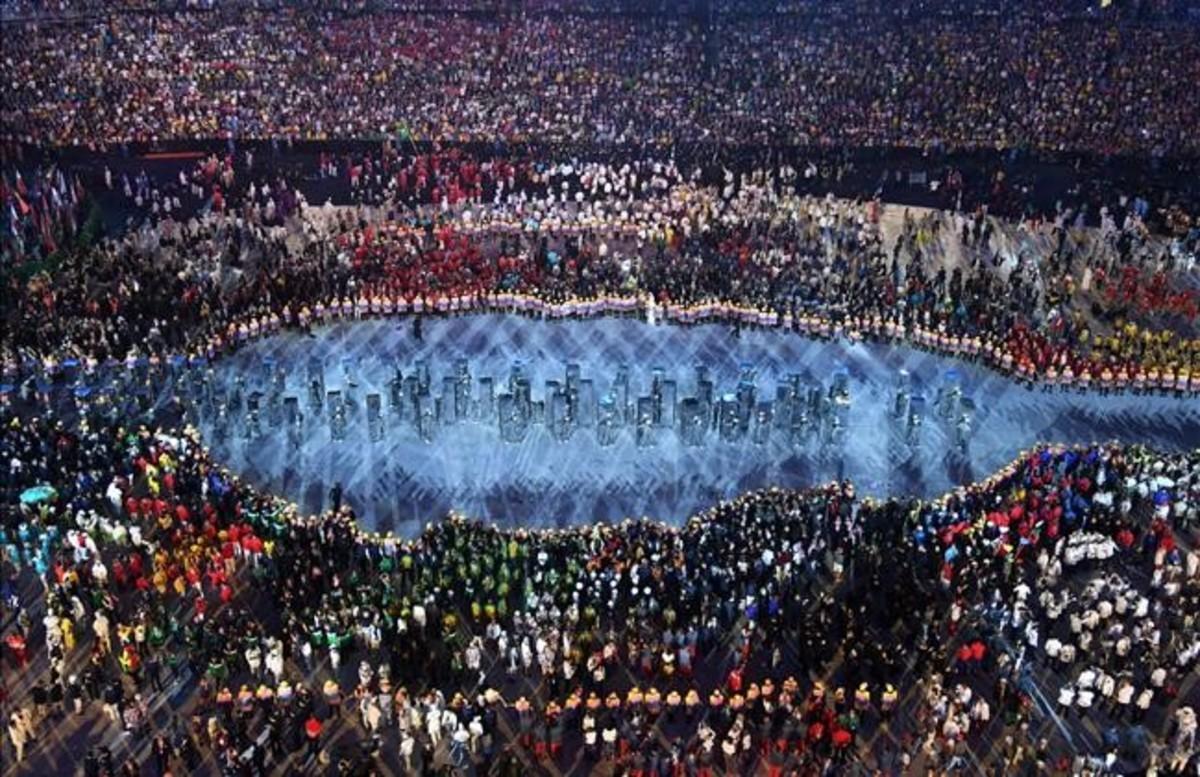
[{"x": 310, "y": 73}]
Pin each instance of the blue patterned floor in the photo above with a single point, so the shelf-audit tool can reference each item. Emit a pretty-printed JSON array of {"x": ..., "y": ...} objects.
[{"x": 401, "y": 481}]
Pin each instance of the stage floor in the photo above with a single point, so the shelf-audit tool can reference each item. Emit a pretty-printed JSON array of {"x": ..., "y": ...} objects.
[{"x": 401, "y": 481}]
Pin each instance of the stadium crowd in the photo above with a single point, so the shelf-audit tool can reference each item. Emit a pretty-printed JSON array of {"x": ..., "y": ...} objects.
[
  {"x": 561, "y": 78},
  {"x": 756, "y": 636},
  {"x": 1107, "y": 308},
  {"x": 145, "y": 587}
]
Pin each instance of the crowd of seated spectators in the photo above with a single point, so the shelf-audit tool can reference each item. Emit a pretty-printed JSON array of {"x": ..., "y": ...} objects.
[
  {"x": 1097, "y": 86},
  {"x": 1123, "y": 9}
]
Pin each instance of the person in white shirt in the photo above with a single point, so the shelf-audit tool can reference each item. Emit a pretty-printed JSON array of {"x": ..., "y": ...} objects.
[
  {"x": 609, "y": 737},
  {"x": 433, "y": 727},
  {"x": 100, "y": 626},
  {"x": 981, "y": 712},
  {"x": 407, "y": 749},
  {"x": 1125, "y": 693},
  {"x": 1107, "y": 685},
  {"x": 1144, "y": 700},
  {"x": 1185, "y": 729},
  {"x": 1066, "y": 698}
]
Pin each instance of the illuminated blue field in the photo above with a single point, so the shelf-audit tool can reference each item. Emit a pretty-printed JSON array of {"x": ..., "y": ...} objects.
[{"x": 583, "y": 459}]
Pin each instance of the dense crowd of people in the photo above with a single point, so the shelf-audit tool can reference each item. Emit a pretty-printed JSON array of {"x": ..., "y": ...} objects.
[
  {"x": 145, "y": 589},
  {"x": 1057, "y": 85},
  {"x": 753, "y": 637},
  {"x": 757, "y": 635},
  {"x": 1108, "y": 308},
  {"x": 41, "y": 214},
  {"x": 1134, "y": 9}
]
